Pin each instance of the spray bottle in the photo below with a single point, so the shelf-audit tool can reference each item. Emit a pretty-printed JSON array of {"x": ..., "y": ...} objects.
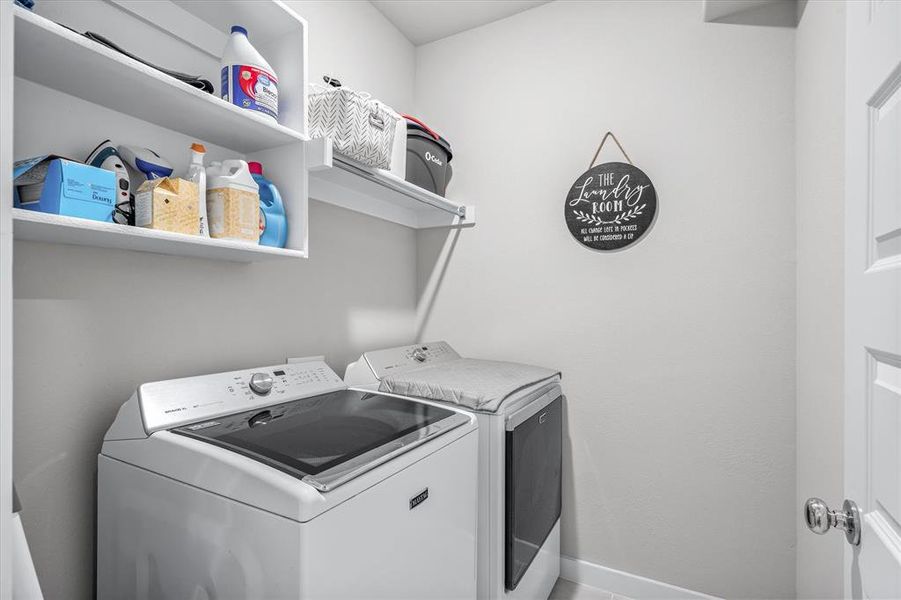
[{"x": 197, "y": 174}]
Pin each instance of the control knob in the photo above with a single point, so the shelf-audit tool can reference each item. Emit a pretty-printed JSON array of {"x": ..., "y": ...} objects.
[{"x": 261, "y": 383}]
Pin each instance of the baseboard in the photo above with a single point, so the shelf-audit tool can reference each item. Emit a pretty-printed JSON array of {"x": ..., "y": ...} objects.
[{"x": 625, "y": 584}]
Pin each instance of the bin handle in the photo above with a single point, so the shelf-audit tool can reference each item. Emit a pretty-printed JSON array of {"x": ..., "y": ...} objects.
[{"x": 423, "y": 125}]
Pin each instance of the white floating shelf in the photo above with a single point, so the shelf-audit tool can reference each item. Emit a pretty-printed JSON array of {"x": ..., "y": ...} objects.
[
  {"x": 343, "y": 182},
  {"x": 43, "y": 227},
  {"x": 54, "y": 56}
]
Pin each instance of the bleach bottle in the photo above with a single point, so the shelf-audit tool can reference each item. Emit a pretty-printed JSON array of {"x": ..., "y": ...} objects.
[
  {"x": 273, "y": 224},
  {"x": 247, "y": 79}
]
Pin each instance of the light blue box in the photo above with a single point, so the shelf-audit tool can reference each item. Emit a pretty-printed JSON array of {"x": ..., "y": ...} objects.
[{"x": 69, "y": 188}]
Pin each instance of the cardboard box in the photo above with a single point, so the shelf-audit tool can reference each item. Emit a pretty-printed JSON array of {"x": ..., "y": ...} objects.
[
  {"x": 168, "y": 204},
  {"x": 59, "y": 186}
]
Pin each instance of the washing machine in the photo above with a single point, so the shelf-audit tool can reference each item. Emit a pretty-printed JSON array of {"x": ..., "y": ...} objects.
[
  {"x": 281, "y": 483},
  {"x": 519, "y": 409}
]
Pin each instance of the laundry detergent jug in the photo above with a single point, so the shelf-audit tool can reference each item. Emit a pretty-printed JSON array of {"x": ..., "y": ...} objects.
[
  {"x": 247, "y": 79},
  {"x": 233, "y": 202},
  {"x": 273, "y": 224}
]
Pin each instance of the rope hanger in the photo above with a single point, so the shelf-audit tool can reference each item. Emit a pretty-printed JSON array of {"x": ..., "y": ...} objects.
[{"x": 609, "y": 134}]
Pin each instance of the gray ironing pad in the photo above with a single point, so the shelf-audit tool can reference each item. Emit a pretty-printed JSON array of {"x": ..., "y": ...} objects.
[{"x": 481, "y": 385}]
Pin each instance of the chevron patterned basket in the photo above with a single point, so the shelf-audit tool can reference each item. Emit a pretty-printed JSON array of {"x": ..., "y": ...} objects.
[{"x": 361, "y": 128}]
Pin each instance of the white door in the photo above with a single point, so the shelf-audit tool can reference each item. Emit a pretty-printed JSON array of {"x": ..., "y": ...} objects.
[{"x": 873, "y": 295}]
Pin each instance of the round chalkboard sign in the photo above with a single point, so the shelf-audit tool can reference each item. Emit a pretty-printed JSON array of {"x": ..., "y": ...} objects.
[{"x": 610, "y": 206}]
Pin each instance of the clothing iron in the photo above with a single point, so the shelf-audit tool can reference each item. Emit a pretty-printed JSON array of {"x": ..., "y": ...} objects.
[
  {"x": 106, "y": 157},
  {"x": 145, "y": 161}
]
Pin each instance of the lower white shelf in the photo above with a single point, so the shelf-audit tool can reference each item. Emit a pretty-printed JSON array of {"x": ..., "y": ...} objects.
[
  {"x": 338, "y": 180},
  {"x": 43, "y": 227}
]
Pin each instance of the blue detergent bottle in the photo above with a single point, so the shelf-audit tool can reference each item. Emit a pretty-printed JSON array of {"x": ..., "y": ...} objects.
[{"x": 273, "y": 224}]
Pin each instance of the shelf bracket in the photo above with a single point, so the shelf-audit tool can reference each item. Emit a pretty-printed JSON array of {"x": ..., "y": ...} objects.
[{"x": 319, "y": 154}]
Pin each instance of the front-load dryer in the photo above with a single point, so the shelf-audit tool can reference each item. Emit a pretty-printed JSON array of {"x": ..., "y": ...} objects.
[
  {"x": 520, "y": 414},
  {"x": 280, "y": 483}
]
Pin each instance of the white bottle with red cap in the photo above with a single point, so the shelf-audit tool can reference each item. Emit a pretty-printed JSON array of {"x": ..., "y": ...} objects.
[{"x": 247, "y": 79}]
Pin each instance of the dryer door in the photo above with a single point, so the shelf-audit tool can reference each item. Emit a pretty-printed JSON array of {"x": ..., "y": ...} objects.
[{"x": 534, "y": 457}]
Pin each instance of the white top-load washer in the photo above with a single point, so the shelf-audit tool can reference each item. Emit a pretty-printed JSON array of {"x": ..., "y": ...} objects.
[
  {"x": 520, "y": 413},
  {"x": 280, "y": 483}
]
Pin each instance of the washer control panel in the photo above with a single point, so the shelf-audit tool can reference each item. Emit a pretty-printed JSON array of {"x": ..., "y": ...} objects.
[
  {"x": 403, "y": 358},
  {"x": 177, "y": 402}
]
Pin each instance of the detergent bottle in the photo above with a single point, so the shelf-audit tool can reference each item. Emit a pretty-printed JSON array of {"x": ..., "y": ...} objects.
[
  {"x": 247, "y": 79},
  {"x": 197, "y": 174},
  {"x": 233, "y": 202},
  {"x": 273, "y": 224}
]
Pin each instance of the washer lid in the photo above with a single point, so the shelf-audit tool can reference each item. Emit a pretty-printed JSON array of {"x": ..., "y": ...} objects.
[{"x": 329, "y": 439}]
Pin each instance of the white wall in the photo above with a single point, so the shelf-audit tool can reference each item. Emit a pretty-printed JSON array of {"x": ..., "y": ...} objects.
[
  {"x": 91, "y": 324},
  {"x": 678, "y": 354},
  {"x": 354, "y": 42},
  {"x": 820, "y": 116}
]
